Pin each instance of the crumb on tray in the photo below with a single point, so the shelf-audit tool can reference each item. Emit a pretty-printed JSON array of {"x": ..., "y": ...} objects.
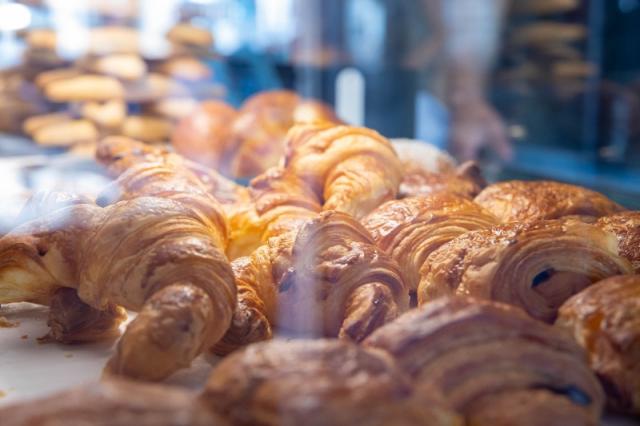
[{"x": 5, "y": 323}]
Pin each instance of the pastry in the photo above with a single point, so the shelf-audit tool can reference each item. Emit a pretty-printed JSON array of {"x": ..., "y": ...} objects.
[
  {"x": 412, "y": 228},
  {"x": 190, "y": 35},
  {"x": 186, "y": 68},
  {"x": 113, "y": 403},
  {"x": 204, "y": 134},
  {"x": 327, "y": 278},
  {"x": 493, "y": 364},
  {"x": 107, "y": 115},
  {"x": 146, "y": 128},
  {"x": 527, "y": 201},
  {"x": 626, "y": 226},
  {"x": 66, "y": 133},
  {"x": 159, "y": 251},
  {"x": 465, "y": 180},
  {"x": 320, "y": 382},
  {"x": 605, "y": 320},
  {"x": 84, "y": 88},
  {"x": 125, "y": 66},
  {"x": 536, "y": 266}
]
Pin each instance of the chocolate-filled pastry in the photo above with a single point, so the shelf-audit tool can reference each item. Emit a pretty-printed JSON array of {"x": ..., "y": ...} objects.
[
  {"x": 412, "y": 228},
  {"x": 626, "y": 226},
  {"x": 327, "y": 278},
  {"x": 524, "y": 201},
  {"x": 113, "y": 403},
  {"x": 320, "y": 382},
  {"x": 605, "y": 320},
  {"x": 494, "y": 364},
  {"x": 536, "y": 266}
]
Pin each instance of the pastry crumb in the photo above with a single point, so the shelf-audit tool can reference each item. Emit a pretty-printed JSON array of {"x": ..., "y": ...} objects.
[
  {"x": 5, "y": 323},
  {"x": 24, "y": 336},
  {"x": 68, "y": 355},
  {"x": 2, "y": 394}
]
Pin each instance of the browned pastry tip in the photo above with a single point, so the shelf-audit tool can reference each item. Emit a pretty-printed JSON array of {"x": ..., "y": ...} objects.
[
  {"x": 517, "y": 201},
  {"x": 317, "y": 382},
  {"x": 605, "y": 320},
  {"x": 481, "y": 352},
  {"x": 626, "y": 226},
  {"x": 352, "y": 169},
  {"x": 411, "y": 229},
  {"x": 203, "y": 135},
  {"x": 536, "y": 266},
  {"x": 466, "y": 180},
  {"x": 73, "y": 321},
  {"x": 112, "y": 403}
]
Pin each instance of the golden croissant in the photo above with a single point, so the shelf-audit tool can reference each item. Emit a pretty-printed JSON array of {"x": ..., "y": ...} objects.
[
  {"x": 518, "y": 201},
  {"x": 626, "y": 227},
  {"x": 493, "y": 364},
  {"x": 536, "y": 266},
  {"x": 328, "y": 278},
  {"x": 319, "y": 382},
  {"x": 466, "y": 180},
  {"x": 412, "y": 228},
  {"x": 605, "y": 320},
  {"x": 158, "y": 251}
]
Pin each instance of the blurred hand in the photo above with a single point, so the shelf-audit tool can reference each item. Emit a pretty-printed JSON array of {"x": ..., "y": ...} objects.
[{"x": 477, "y": 125}]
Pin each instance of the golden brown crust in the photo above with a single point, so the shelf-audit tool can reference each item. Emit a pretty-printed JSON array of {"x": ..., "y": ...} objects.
[
  {"x": 473, "y": 350},
  {"x": 112, "y": 403},
  {"x": 626, "y": 226},
  {"x": 351, "y": 169},
  {"x": 466, "y": 180},
  {"x": 518, "y": 201},
  {"x": 412, "y": 228},
  {"x": 317, "y": 382},
  {"x": 605, "y": 320},
  {"x": 536, "y": 266},
  {"x": 326, "y": 279}
]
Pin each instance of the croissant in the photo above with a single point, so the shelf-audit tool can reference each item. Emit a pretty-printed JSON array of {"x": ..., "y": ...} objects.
[
  {"x": 536, "y": 266},
  {"x": 626, "y": 226},
  {"x": 604, "y": 320},
  {"x": 412, "y": 228},
  {"x": 493, "y": 364},
  {"x": 518, "y": 201},
  {"x": 118, "y": 154},
  {"x": 320, "y": 382},
  {"x": 113, "y": 403},
  {"x": 326, "y": 279},
  {"x": 164, "y": 248},
  {"x": 351, "y": 169}
]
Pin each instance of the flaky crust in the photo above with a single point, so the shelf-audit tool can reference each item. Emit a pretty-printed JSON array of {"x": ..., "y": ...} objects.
[
  {"x": 351, "y": 169},
  {"x": 112, "y": 403},
  {"x": 326, "y": 279},
  {"x": 321, "y": 382},
  {"x": 412, "y": 228},
  {"x": 480, "y": 352},
  {"x": 605, "y": 320},
  {"x": 518, "y": 201},
  {"x": 536, "y": 266},
  {"x": 626, "y": 226}
]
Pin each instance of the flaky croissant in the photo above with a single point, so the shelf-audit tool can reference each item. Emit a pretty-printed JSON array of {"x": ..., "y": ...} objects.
[
  {"x": 518, "y": 201},
  {"x": 536, "y": 266},
  {"x": 119, "y": 153},
  {"x": 605, "y": 320},
  {"x": 493, "y": 364},
  {"x": 158, "y": 251},
  {"x": 113, "y": 403},
  {"x": 626, "y": 226},
  {"x": 412, "y": 228},
  {"x": 326, "y": 279},
  {"x": 351, "y": 169},
  {"x": 319, "y": 382},
  {"x": 338, "y": 168}
]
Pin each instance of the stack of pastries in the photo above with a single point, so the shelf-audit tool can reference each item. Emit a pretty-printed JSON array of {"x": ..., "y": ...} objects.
[{"x": 333, "y": 296}]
